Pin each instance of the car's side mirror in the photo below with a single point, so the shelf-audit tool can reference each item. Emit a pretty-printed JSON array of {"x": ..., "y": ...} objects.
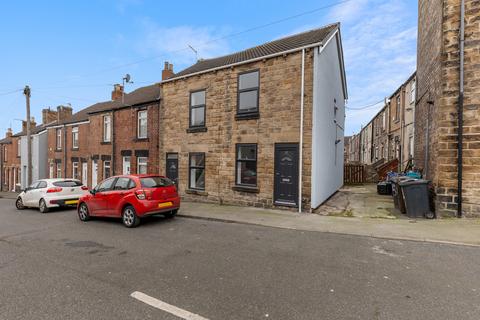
[
  {"x": 92, "y": 192},
  {"x": 26, "y": 189}
]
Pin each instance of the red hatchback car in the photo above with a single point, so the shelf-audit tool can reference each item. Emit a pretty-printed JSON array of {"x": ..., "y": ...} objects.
[{"x": 130, "y": 197}]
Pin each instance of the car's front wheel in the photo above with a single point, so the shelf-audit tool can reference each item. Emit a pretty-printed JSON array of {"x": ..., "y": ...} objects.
[
  {"x": 19, "y": 204},
  {"x": 83, "y": 213},
  {"x": 129, "y": 217},
  {"x": 43, "y": 206}
]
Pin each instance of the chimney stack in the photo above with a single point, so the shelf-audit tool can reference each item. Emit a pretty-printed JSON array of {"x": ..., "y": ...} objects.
[
  {"x": 33, "y": 124},
  {"x": 9, "y": 133},
  {"x": 117, "y": 92},
  {"x": 48, "y": 116},
  {"x": 63, "y": 112},
  {"x": 167, "y": 71}
]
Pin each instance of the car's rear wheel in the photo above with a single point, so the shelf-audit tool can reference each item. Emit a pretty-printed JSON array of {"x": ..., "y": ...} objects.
[
  {"x": 171, "y": 214},
  {"x": 129, "y": 217},
  {"x": 19, "y": 204},
  {"x": 43, "y": 206},
  {"x": 83, "y": 213}
]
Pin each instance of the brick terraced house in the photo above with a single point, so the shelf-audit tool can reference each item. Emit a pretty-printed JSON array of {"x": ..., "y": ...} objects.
[
  {"x": 448, "y": 93},
  {"x": 9, "y": 162},
  {"x": 380, "y": 135},
  {"x": 124, "y": 136},
  {"x": 108, "y": 138},
  {"x": 261, "y": 127}
]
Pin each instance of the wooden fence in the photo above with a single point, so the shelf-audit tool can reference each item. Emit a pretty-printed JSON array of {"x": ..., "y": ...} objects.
[{"x": 354, "y": 174}]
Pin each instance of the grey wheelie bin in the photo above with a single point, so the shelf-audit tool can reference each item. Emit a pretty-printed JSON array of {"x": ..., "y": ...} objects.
[{"x": 416, "y": 198}]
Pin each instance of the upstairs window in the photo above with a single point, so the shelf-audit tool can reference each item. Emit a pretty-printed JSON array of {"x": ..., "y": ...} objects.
[
  {"x": 19, "y": 147},
  {"x": 412, "y": 92},
  {"x": 5, "y": 154},
  {"x": 59, "y": 139},
  {"x": 397, "y": 109},
  {"x": 248, "y": 84},
  {"x": 107, "y": 128},
  {"x": 75, "y": 137},
  {"x": 142, "y": 124},
  {"x": 197, "y": 109},
  {"x": 246, "y": 165}
]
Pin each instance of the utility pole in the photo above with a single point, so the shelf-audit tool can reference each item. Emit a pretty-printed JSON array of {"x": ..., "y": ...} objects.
[{"x": 26, "y": 92}]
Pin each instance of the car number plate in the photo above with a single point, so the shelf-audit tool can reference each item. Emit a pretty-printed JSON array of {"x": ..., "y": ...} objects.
[
  {"x": 165, "y": 204},
  {"x": 71, "y": 202}
]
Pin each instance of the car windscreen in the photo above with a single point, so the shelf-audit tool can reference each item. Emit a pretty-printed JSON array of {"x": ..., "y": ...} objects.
[
  {"x": 155, "y": 182},
  {"x": 67, "y": 183}
]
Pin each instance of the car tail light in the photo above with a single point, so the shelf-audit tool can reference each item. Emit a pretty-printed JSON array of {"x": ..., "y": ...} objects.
[
  {"x": 144, "y": 194},
  {"x": 141, "y": 194},
  {"x": 84, "y": 188},
  {"x": 53, "y": 190}
]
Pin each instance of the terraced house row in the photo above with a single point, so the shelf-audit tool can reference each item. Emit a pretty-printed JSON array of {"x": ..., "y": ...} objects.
[{"x": 261, "y": 127}]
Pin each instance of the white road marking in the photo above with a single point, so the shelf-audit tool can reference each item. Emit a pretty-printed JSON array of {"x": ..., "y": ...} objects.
[{"x": 184, "y": 314}]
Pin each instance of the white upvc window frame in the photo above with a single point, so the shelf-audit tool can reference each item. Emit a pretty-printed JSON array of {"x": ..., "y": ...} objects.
[
  {"x": 142, "y": 121},
  {"x": 75, "y": 137},
  {"x": 142, "y": 162},
  {"x": 107, "y": 164},
  {"x": 107, "y": 128},
  {"x": 126, "y": 165},
  {"x": 413, "y": 91},
  {"x": 58, "y": 134},
  {"x": 51, "y": 170},
  {"x": 19, "y": 147},
  {"x": 75, "y": 173},
  {"x": 59, "y": 169}
]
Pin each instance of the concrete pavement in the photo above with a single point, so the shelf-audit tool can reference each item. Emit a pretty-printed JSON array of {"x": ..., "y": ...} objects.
[
  {"x": 454, "y": 231},
  {"x": 52, "y": 266}
]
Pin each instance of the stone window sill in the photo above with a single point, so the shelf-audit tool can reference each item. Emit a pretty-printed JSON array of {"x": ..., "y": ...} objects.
[
  {"x": 246, "y": 189},
  {"x": 197, "y": 129},
  {"x": 141, "y": 140},
  {"x": 247, "y": 116},
  {"x": 197, "y": 192},
  {"x": 105, "y": 142},
  {"x": 58, "y": 150}
]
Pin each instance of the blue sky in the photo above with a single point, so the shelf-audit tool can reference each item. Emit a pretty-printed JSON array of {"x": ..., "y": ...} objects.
[{"x": 74, "y": 51}]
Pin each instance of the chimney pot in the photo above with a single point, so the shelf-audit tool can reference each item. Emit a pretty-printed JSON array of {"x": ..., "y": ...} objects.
[
  {"x": 167, "y": 71},
  {"x": 9, "y": 133}
]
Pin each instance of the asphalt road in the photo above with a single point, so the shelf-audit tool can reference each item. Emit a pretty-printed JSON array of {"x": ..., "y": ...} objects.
[{"x": 53, "y": 266}]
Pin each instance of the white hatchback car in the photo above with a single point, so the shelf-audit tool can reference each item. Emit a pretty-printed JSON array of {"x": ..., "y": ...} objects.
[{"x": 51, "y": 193}]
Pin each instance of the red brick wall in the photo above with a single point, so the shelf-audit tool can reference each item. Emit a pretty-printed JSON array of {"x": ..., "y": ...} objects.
[
  {"x": 126, "y": 137},
  {"x": 96, "y": 145},
  {"x": 12, "y": 165}
]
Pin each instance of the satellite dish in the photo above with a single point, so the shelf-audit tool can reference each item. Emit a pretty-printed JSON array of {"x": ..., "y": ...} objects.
[{"x": 127, "y": 77}]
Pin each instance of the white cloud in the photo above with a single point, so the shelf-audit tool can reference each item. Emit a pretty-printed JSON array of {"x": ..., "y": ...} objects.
[
  {"x": 172, "y": 43},
  {"x": 122, "y": 5},
  {"x": 380, "y": 53},
  {"x": 348, "y": 11}
]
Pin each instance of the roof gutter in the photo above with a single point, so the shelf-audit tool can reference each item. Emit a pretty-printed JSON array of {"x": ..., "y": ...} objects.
[
  {"x": 273, "y": 55},
  {"x": 460, "y": 110}
]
